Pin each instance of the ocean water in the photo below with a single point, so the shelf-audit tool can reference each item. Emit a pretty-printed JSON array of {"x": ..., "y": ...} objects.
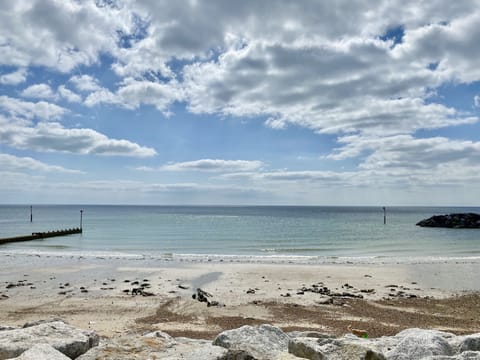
[{"x": 329, "y": 234}]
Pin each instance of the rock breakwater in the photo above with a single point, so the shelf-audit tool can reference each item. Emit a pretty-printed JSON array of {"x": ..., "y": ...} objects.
[{"x": 455, "y": 221}]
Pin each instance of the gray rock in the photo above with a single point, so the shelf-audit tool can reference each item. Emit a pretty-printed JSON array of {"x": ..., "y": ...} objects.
[
  {"x": 467, "y": 355},
  {"x": 308, "y": 348},
  {"x": 126, "y": 347},
  {"x": 157, "y": 345},
  {"x": 3, "y": 328},
  {"x": 42, "y": 352},
  {"x": 39, "y": 322},
  {"x": 310, "y": 334},
  {"x": 259, "y": 342},
  {"x": 345, "y": 348},
  {"x": 159, "y": 334},
  {"x": 194, "y": 350},
  {"x": 420, "y": 344},
  {"x": 67, "y": 339},
  {"x": 469, "y": 343}
]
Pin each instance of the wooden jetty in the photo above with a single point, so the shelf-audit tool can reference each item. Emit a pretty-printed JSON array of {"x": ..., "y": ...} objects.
[{"x": 41, "y": 235}]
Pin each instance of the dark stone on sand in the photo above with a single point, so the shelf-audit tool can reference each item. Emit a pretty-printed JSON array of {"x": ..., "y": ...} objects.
[{"x": 453, "y": 221}]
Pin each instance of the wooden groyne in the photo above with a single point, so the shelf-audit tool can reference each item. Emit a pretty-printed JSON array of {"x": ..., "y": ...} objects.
[{"x": 41, "y": 235}]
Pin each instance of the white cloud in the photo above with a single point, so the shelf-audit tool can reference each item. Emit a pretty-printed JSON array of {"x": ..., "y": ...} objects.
[
  {"x": 54, "y": 137},
  {"x": 15, "y": 163},
  {"x": 59, "y": 34},
  {"x": 14, "y": 78},
  {"x": 416, "y": 161},
  {"x": 336, "y": 87},
  {"x": 85, "y": 83},
  {"x": 68, "y": 94},
  {"x": 453, "y": 45},
  {"x": 215, "y": 165},
  {"x": 39, "y": 91},
  {"x": 132, "y": 94},
  {"x": 102, "y": 96},
  {"x": 29, "y": 110},
  {"x": 44, "y": 91},
  {"x": 345, "y": 65}
]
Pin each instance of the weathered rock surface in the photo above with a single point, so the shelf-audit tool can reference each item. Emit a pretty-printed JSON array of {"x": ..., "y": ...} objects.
[
  {"x": 345, "y": 348},
  {"x": 59, "y": 341},
  {"x": 411, "y": 344},
  {"x": 419, "y": 344},
  {"x": 258, "y": 342},
  {"x": 157, "y": 345},
  {"x": 42, "y": 352},
  {"x": 456, "y": 221},
  {"x": 67, "y": 339}
]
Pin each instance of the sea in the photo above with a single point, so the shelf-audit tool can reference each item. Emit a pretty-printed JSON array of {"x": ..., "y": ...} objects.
[{"x": 255, "y": 233}]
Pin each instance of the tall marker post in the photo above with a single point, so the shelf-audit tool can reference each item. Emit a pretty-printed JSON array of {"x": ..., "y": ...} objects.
[
  {"x": 81, "y": 219},
  {"x": 384, "y": 215}
]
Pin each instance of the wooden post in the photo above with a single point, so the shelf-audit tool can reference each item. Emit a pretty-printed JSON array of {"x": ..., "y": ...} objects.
[
  {"x": 384, "y": 215},
  {"x": 31, "y": 213},
  {"x": 81, "y": 219}
]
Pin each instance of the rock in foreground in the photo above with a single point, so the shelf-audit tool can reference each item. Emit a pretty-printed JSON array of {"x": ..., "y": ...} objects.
[
  {"x": 64, "y": 338},
  {"x": 455, "y": 221},
  {"x": 59, "y": 341}
]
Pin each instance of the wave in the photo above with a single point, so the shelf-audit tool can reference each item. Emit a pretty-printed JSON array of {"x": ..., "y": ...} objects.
[{"x": 250, "y": 259}]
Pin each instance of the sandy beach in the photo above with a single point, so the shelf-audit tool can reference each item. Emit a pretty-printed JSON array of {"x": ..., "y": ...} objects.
[{"x": 116, "y": 295}]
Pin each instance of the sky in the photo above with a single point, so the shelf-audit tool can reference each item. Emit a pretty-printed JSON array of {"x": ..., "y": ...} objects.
[{"x": 240, "y": 102}]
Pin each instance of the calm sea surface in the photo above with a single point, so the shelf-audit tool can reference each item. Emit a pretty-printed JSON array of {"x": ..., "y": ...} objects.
[{"x": 341, "y": 233}]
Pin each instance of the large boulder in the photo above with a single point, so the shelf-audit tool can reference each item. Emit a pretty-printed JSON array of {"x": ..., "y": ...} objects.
[
  {"x": 345, "y": 348},
  {"x": 416, "y": 344},
  {"x": 42, "y": 352},
  {"x": 65, "y": 338},
  {"x": 469, "y": 343},
  {"x": 157, "y": 345},
  {"x": 264, "y": 342}
]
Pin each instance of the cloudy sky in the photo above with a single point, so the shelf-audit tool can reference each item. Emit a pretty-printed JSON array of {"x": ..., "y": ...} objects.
[{"x": 240, "y": 102}]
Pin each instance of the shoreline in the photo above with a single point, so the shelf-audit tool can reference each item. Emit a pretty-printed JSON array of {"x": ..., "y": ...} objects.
[
  {"x": 90, "y": 292},
  {"x": 242, "y": 258}
]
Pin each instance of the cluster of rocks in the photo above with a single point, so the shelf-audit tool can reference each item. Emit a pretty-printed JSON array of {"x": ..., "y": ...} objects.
[
  {"x": 455, "y": 221},
  {"x": 57, "y": 340},
  {"x": 329, "y": 296},
  {"x": 139, "y": 288},
  {"x": 54, "y": 340},
  {"x": 203, "y": 296}
]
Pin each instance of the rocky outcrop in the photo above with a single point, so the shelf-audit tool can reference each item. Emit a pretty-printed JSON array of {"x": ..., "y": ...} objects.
[
  {"x": 65, "y": 338},
  {"x": 59, "y": 341},
  {"x": 456, "y": 221}
]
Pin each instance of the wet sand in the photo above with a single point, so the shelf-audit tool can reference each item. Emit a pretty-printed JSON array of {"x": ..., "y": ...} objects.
[{"x": 116, "y": 295}]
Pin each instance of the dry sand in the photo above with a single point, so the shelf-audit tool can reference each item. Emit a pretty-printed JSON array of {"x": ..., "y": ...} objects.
[{"x": 92, "y": 293}]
